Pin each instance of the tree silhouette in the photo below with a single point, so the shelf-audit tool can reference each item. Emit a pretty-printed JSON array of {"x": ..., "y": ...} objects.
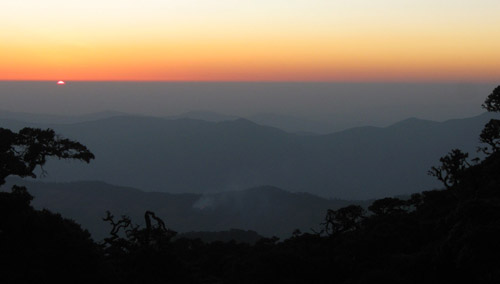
[
  {"x": 388, "y": 206},
  {"x": 490, "y": 134},
  {"x": 38, "y": 245},
  {"x": 21, "y": 153},
  {"x": 492, "y": 102},
  {"x": 152, "y": 236},
  {"x": 343, "y": 220},
  {"x": 451, "y": 168}
]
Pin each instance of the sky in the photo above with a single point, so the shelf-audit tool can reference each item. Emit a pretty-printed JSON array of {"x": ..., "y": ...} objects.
[{"x": 257, "y": 40}]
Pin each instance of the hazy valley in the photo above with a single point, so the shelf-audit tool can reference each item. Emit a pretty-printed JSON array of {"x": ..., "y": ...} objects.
[{"x": 196, "y": 156}]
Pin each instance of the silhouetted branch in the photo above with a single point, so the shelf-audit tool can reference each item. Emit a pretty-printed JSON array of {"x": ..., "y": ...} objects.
[
  {"x": 451, "y": 168},
  {"x": 344, "y": 219},
  {"x": 123, "y": 223}
]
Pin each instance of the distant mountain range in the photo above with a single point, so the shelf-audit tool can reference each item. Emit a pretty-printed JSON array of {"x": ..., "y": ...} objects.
[
  {"x": 204, "y": 115},
  {"x": 267, "y": 210},
  {"x": 188, "y": 155},
  {"x": 287, "y": 123},
  {"x": 56, "y": 119}
]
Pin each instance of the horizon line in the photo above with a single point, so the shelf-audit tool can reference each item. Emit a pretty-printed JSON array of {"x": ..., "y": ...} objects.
[{"x": 271, "y": 81}]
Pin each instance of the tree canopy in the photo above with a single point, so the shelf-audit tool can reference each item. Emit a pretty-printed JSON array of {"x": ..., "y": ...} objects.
[
  {"x": 492, "y": 102},
  {"x": 490, "y": 135},
  {"x": 22, "y": 152}
]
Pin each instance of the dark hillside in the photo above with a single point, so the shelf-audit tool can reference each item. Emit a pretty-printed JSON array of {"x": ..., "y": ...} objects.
[{"x": 269, "y": 211}]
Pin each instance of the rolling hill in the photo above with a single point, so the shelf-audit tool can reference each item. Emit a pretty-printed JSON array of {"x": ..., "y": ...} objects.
[
  {"x": 194, "y": 156},
  {"x": 267, "y": 210}
]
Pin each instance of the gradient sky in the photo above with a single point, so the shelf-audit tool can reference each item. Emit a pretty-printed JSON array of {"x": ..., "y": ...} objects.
[{"x": 250, "y": 40}]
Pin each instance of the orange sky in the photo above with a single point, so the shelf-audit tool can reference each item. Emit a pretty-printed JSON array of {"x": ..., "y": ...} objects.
[{"x": 229, "y": 40}]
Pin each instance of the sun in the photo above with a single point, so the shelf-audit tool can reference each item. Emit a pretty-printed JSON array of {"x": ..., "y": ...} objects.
[{"x": 60, "y": 82}]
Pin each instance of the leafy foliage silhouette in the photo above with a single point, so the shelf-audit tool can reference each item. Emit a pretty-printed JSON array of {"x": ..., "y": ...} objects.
[
  {"x": 388, "y": 206},
  {"x": 492, "y": 102},
  {"x": 490, "y": 134},
  {"x": 343, "y": 220},
  {"x": 452, "y": 167},
  {"x": 21, "y": 153}
]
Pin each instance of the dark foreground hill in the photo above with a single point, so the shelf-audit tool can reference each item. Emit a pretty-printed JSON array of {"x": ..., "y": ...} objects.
[
  {"x": 185, "y": 155},
  {"x": 439, "y": 236},
  {"x": 268, "y": 211}
]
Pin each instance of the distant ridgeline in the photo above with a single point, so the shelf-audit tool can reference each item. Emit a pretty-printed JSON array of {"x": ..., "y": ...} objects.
[
  {"x": 194, "y": 156},
  {"x": 439, "y": 236},
  {"x": 267, "y": 210}
]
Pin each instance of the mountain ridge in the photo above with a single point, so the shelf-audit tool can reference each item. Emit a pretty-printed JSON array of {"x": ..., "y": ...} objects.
[
  {"x": 188, "y": 155},
  {"x": 266, "y": 210}
]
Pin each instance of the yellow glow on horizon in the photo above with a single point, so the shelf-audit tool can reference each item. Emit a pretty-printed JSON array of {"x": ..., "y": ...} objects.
[{"x": 250, "y": 40}]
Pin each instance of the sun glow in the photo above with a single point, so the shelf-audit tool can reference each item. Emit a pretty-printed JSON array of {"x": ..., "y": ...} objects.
[
  {"x": 61, "y": 82},
  {"x": 261, "y": 40}
]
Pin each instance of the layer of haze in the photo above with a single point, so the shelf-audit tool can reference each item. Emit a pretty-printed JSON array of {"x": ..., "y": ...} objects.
[
  {"x": 257, "y": 40},
  {"x": 316, "y": 107}
]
